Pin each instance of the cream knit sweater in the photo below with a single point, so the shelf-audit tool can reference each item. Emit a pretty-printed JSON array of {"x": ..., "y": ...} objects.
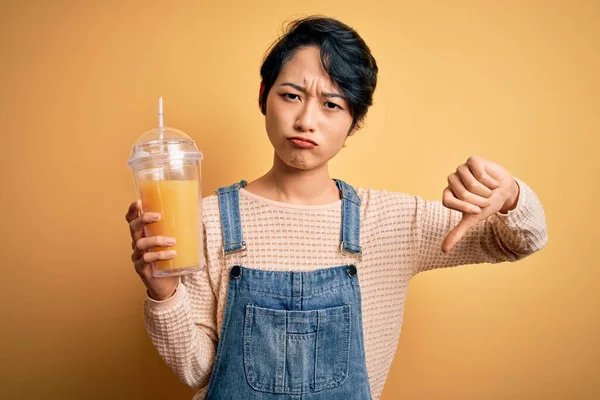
[{"x": 401, "y": 235}]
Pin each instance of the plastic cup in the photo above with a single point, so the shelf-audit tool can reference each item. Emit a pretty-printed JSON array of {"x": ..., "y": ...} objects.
[{"x": 166, "y": 167}]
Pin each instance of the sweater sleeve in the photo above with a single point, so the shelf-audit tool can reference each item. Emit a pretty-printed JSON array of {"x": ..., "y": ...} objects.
[
  {"x": 501, "y": 237},
  {"x": 183, "y": 328}
]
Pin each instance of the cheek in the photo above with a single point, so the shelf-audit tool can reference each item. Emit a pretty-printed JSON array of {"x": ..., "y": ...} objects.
[
  {"x": 340, "y": 139},
  {"x": 340, "y": 130},
  {"x": 274, "y": 125},
  {"x": 277, "y": 115}
]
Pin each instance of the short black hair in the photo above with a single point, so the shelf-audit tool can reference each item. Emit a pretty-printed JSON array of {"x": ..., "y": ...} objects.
[{"x": 344, "y": 54}]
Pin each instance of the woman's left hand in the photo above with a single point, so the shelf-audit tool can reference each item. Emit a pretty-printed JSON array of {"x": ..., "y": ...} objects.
[{"x": 479, "y": 188}]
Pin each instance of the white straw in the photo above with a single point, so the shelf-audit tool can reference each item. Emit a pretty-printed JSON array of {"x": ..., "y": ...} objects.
[{"x": 160, "y": 116}]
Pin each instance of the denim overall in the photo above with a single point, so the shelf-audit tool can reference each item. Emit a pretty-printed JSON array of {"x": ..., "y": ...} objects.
[{"x": 291, "y": 335}]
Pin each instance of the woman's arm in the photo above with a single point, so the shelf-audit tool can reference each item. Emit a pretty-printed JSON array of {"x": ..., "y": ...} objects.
[
  {"x": 183, "y": 328},
  {"x": 500, "y": 237}
]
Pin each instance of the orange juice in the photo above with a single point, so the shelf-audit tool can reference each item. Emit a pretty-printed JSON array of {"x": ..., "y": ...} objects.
[{"x": 179, "y": 203}]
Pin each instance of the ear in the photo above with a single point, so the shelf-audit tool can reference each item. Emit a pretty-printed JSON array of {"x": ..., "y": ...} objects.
[{"x": 359, "y": 125}]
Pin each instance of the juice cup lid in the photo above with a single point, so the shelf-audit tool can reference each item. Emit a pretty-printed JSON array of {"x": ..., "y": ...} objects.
[{"x": 160, "y": 146}]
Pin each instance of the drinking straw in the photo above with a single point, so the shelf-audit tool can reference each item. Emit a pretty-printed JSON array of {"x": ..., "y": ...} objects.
[{"x": 160, "y": 116}]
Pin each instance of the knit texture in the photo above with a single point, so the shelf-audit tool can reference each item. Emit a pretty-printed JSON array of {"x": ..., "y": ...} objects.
[{"x": 401, "y": 236}]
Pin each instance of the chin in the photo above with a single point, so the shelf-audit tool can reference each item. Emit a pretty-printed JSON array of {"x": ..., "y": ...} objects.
[{"x": 298, "y": 161}]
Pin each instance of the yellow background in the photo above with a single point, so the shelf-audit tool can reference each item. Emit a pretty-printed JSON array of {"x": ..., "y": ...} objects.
[{"x": 515, "y": 82}]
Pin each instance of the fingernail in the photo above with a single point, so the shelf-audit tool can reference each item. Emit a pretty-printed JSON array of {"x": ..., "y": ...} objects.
[
  {"x": 156, "y": 217},
  {"x": 171, "y": 253},
  {"x": 476, "y": 209},
  {"x": 170, "y": 241}
]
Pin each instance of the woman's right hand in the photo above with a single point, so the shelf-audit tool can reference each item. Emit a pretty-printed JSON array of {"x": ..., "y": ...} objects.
[{"x": 158, "y": 288}]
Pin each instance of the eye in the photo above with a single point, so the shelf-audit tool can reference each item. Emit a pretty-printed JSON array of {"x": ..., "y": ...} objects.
[
  {"x": 290, "y": 96},
  {"x": 332, "y": 106}
]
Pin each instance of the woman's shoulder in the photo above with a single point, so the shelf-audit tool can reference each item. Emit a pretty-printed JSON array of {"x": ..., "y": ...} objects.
[
  {"x": 210, "y": 201},
  {"x": 210, "y": 209},
  {"x": 369, "y": 195}
]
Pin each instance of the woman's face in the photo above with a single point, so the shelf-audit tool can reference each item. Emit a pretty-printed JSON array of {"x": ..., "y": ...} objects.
[{"x": 304, "y": 104}]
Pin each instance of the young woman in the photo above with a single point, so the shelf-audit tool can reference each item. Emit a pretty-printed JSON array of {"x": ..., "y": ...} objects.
[{"x": 306, "y": 277}]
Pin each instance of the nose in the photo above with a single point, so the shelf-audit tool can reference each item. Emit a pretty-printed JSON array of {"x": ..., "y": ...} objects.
[{"x": 305, "y": 122}]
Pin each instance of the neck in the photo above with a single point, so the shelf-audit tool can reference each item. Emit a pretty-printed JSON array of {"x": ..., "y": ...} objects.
[{"x": 290, "y": 185}]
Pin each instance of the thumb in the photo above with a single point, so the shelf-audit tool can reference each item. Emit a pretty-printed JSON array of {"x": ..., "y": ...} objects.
[{"x": 467, "y": 222}]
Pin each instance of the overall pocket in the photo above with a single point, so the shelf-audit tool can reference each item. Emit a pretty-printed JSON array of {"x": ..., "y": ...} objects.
[{"x": 296, "y": 351}]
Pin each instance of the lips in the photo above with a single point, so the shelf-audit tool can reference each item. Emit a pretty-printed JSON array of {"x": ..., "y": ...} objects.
[{"x": 301, "y": 139}]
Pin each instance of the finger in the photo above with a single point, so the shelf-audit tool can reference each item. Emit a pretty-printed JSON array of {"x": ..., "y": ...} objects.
[
  {"x": 153, "y": 256},
  {"x": 477, "y": 166},
  {"x": 468, "y": 222},
  {"x": 471, "y": 183},
  {"x": 449, "y": 200},
  {"x": 133, "y": 211},
  {"x": 136, "y": 255},
  {"x": 147, "y": 218},
  {"x": 144, "y": 244},
  {"x": 140, "y": 223},
  {"x": 461, "y": 192}
]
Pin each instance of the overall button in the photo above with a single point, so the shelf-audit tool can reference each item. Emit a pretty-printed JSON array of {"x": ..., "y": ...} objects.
[
  {"x": 236, "y": 271},
  {"x": 351, "y": 270}
]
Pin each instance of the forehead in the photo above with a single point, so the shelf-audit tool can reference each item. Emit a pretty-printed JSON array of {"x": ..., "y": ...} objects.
[{"x": 305, "y": 68}]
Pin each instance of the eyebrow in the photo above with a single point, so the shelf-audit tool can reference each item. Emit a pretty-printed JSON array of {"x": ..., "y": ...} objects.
[{"x": 303, "y": 90}]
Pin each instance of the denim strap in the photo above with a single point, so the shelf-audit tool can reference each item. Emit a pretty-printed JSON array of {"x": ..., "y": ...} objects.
[
  {"x": 350, "y": 240},
  {"x": 231, "y": 222}
]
